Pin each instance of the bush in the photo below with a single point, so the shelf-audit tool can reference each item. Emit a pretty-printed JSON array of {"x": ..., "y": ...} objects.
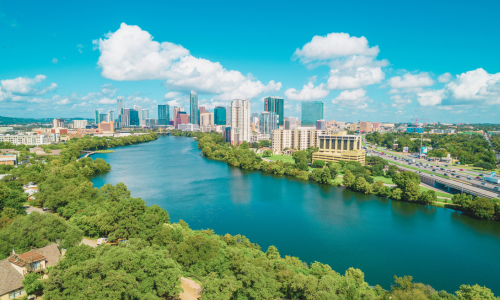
[
  {"x": 484, "y": 165},
  {"x": 318, "y": 163}
]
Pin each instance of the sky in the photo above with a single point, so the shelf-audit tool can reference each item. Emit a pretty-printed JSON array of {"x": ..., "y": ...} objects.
[{"x": 388, "y": 61}]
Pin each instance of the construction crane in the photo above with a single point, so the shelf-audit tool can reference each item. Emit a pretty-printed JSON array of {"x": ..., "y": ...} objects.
[{"x": 416, "y": 121}]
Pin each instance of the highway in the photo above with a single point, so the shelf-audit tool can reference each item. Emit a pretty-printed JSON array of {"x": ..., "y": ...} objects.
[{"x": 456, "y": 179}]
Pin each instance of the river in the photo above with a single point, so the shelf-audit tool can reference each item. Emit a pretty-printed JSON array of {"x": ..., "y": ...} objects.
[{"x": 333, "y": 225}]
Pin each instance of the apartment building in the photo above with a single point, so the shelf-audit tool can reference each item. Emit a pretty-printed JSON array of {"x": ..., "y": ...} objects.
[
  {"x": 25, "y": 139},
  {"x": 340, "y": 146},
  {"x": 300, "y": 138}
]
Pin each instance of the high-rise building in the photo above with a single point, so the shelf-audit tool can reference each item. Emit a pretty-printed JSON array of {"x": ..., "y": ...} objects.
[
  {"x": 226, "y": 133},
  {"x": 193, "y": 108},
  {"x": 182, "y": 118},
  {"x": 145, "y": 114},
  {"x": 80, "y": 123},
  {"x": 376, "y": 126},
  {"x": 125, "y": 117},
  {"x": 139, "y": 112},
  {"x": 353, "y": 127},
  {"x": 103, "y": 118},
  {"x": 206, "y": 118},
  {"x": 134, "y": 117},
  {"x": 228, "y": 116},
  {"x": 220, "y": 115},
  {"x": 58, "y": 123},
  {"x": 268, "y": 122},
  {"x": 240, "y": 121},
  {"x": 292, "y": 123},
  {"x": 312, "y": 111},
  {"x": 120, "y": 105},
  {"x": 365, "y": 126},
  {"x": 163, "y": 114},
  {"x": 321, "y": 125},
  {"x": 111, "y": 116},
  {"x": 106, "y": 126},
  {"x": 300, "y": 138},
  {"x": 97, "y": 115},
  {"x": 276, "y": 105}
]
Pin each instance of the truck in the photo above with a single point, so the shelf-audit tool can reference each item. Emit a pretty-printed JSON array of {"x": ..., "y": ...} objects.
[{"x": 492, "y": 179}]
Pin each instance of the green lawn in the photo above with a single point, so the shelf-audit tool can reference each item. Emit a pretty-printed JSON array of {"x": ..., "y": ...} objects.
[
  {"x": 284, "y": 158},
  {"x": 339, "y": 180},
  {"x": 439, "y": 194},
  {"x": 383, "y": 179}
]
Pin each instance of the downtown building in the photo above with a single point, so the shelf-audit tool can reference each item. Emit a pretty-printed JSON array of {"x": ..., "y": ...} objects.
[
  {"x": 312, "y": 111},
  {"x": 339, "y": 146},
  {"x": 163, "y": 115},
  {"x": 193, "y": 107},
  {"x": 300, "y": 138},
  {"x": 240, "y": 121},
  {"x": 277, "y": 106}
]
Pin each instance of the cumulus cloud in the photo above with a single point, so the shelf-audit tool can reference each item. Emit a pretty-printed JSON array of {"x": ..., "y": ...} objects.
[
  {"x": 400, "y": 100},
  {"x": 171, "y": 95},
  {"x": 475, "y": 85},
  {"x": 355, "y": 98},
  {"x": 446, "y": 77},
  {"x": 308, "y": 92},
  {"x": 55, "y": 60},
  {"x": 130, "y": 53},
  {"x": 25, "y": 86},
  {"x": 431, "y": 97},
  {"x": 352, "y": 61},
  {"x": 409, "y": 80},
  {"x": 335, "y": 45},
  {"x": 108, "y": 90},
  {"x": 354, "y": 78},
  {"x": 63, "y": 101}
]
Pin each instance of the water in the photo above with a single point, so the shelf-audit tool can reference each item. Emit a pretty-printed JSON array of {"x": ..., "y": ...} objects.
[{"x": 314, "y": 222}]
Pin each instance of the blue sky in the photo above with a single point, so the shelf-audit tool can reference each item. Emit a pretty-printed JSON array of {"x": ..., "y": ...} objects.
[{"x": 386, "y": 61}]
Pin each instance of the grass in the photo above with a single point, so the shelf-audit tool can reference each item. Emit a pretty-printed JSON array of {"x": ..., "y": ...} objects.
[
  {"x": 338, "y": 180},
  {"x": 383, "y": 179},
  {"x": 105, "y": 151},
  {"x": 284, "y": 158},
  {"x": 439, "y": 194}
]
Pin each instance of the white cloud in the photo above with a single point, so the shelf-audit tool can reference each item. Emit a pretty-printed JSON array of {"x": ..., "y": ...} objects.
[
  {"x": 354, "y": 78},
  {"x": 408, "y": 80},
  {"x": 335, "y": 45},
  {"x": 24, "y": 86},
  {"x": 446, "y": 77},
  {"x": 55, "y": 60},
  {"x": 400, "y": 101},
  {"x": 170, "y": 95},
  {"x": 475, "y": 85},
  {"x": 131, "y": 54},
  {"x": 63, "y": 101},
  {"x": 355, "y": 98},
  {"x": 308, "y": 92},
  {"x": 106, "y": 101},
  {"x": 431, "y": 97},
  {"x": 108, "y": 89}
]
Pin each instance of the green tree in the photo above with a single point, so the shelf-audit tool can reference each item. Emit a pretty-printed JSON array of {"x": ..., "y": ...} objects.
[
  {"x": 32, "y": 283},
  {"x": 267, "y": 153},
  {"x": 427, "y": 197},
  {"x": 318, "y": 163},
  {"x": 348, "y": 179},
  {"x": 468, "y": 292}
]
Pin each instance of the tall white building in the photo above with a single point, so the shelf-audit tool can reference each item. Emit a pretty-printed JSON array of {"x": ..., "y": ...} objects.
[
  {"x": 240, "y": 121},
  {"x": 228, "y": 116},
  {"x": 80, "y": 123}
]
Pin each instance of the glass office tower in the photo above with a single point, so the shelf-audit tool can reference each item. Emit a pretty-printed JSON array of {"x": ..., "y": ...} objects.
[
  {"x": 312, "y": 111},
  {"x": 134, "y": 118},
  {"x": 163, "y": 114},
  {"x": 194, "y": 113},
  {"x": 267, "y": 122},
  {"x": 277, "y": 106},
  {"x": 220, "y": 115}
]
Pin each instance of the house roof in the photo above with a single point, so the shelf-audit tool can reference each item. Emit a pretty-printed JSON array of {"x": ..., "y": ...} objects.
[
  {"x": 10, "y": 279},
  {"x": 26, "y": 257}
]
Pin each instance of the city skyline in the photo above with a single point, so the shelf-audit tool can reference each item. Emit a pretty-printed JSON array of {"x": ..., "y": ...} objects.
[{"x": 359, "y": 71}]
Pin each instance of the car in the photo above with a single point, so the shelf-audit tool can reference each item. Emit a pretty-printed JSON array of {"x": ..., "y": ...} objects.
[
  {"x": 445, "y": 165},
  {"x": 478, "y": 177},
  {"x": 434, "y": 170},
  {"x": 448, "y": 171},
  {"x": 468, "y": 177},
  {"x": 433, "y": 175},
  {"x": 461, "y": 169},
  {"x": 481, "y": 174},
  {"x": 458, "y": 176},
  {"x": 496, "y": 188},
  {"x": 453, "y": 171},
  {"x": 483, "y": 183},
  {"x": 45, "y": 209}
]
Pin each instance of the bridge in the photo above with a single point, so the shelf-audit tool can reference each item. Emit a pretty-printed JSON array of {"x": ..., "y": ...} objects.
[
  {"x": 87, "y": 154},
  {"x": 437, "y": 181}
]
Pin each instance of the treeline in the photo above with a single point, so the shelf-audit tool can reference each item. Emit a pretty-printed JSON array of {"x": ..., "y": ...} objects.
[
  {"x": 495, "y": 141},
  {"x": 469, "y": 149},
  {"x": 151, "y": 253}
]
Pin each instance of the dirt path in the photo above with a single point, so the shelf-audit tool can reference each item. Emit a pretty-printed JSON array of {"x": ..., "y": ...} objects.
[{"x": 192, "y": 290}]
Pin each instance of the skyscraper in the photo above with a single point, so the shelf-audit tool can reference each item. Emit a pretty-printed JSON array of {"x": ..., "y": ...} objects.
[
  {"x": 276, "y": 105},
  {"x": 145, "y": 114},
  {"x": 228, "y": 115},
  {"x": 177, "y": 109},
  {"x": 125, "y": 117},
  {"x": 193, "y": 106},
  {"x": 163, "y": 114},
  {"x": 97, "y": 116},
  {"x": 268, "y": 122},
  {"x": 321, "y": 124},
  {"x": 240, "y": 121},
  {"x": 312, "y": 111},
  {"x": 111, "y": 116},
  {"x": 139, "y": 112},
  {"x": 220, "y": 115},
  {"x": 120, "y": 104},
  {"x": 134, "y": 118}
]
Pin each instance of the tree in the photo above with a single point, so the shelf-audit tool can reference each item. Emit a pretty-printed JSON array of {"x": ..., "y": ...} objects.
[
  {"x": 220, "y": 288},
  {"x": 468, "y": 292},
  {"x": 245, "y": 145},
  {"x": 397, "y": 194},
  {"x": 318, "y": 163},
  {"x": 484, "y": 165},
  {"x": 427, "y": 197},
  {"x": 349, "y": 179},
  {"x": 207, "y": 150},
  {"x": 481, "y": 208},
  {"x": 272, "y": 253},
  {"x": 267, "y": 153},
  {"x": 32, "y": 283},
  {"x": 412, "y": 192}
]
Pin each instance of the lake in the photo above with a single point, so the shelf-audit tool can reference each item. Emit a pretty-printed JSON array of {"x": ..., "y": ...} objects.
[{"x": 332, "y": 225}]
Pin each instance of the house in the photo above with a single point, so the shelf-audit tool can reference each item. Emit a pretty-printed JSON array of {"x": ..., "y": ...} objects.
[{"x": 14, "y": 268}]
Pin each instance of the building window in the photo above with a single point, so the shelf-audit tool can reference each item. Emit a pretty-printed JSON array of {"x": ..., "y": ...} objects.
[
  {"x": 16, "y": 293},
  {"x": 36, "y": 265}
]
